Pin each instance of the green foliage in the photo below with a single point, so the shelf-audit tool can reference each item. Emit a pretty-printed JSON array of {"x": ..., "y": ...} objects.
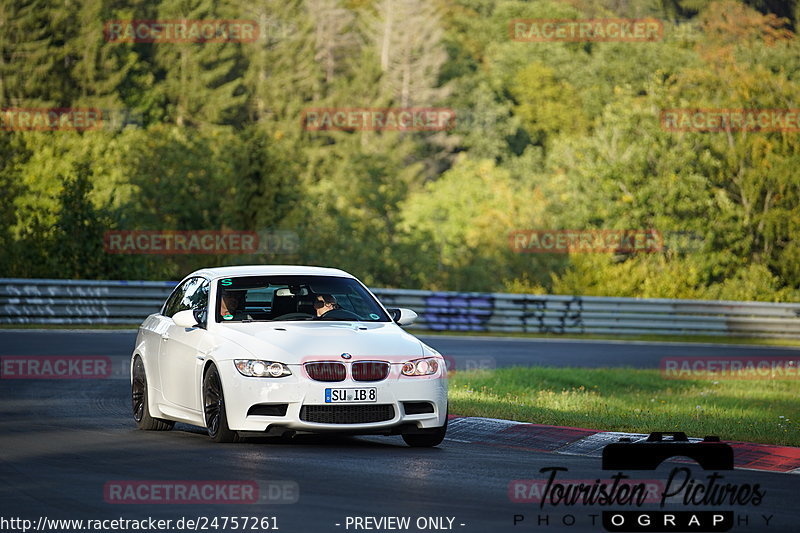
[
  {"x": 460, "y": 225},
  {"x": 556, "y": 135},
  {"x": 202, "y": 81},
  {"x": 546, "y": 105}
]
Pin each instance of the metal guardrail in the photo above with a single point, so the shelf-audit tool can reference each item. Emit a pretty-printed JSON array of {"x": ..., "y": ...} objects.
[
  {"x": 73, "y": 302},
  {"x": 58, "y": 301}
]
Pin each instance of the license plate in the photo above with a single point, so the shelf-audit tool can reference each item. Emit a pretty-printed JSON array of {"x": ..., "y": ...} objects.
[{"x": 361, "y": 395}]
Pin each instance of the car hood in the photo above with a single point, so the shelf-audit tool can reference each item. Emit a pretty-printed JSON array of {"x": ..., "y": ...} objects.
[{"x": 297, "y": 342}]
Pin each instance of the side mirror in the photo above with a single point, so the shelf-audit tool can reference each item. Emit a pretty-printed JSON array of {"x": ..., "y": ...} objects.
[
  {"x": 402, "y": 316},
  {"x": 185, "y": 319}
]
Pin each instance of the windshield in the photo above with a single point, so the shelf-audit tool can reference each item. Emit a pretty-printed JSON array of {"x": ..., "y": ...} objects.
[{"x": 279, "y": 298}]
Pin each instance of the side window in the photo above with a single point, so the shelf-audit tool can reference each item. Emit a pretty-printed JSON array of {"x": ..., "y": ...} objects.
[
  {"x": 171, "y": 307},
  {"x": 193, "y": 294}
]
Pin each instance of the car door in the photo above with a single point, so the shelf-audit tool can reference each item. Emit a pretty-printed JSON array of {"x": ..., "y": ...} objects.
[{"x": 183, "y": 350}]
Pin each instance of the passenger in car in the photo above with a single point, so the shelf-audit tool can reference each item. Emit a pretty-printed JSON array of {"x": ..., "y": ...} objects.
[{"x": 325, "y": 303}]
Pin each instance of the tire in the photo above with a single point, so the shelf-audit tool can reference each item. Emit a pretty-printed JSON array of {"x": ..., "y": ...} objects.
[
  {"x": 214, "y": 408},
  {"x": 426, "y": 438},
  {"x": 139, "y": 401}
]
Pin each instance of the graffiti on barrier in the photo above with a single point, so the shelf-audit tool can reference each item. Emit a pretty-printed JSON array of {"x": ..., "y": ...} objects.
[
  {"x": 556, "y": 318},
  {"x": 458, "y": 312}
]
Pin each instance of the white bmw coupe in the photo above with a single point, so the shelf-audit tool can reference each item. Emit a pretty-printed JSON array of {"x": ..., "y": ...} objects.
[{"x": 280, "y": 350}]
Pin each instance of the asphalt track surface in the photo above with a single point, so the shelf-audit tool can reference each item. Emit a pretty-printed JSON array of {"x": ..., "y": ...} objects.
[
  {"x": 64, "y": 441},
  {"x": 493, "y": 351}
]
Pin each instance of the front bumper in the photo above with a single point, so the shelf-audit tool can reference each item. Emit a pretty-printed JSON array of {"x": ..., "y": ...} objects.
[{"x": 296, "y": 391}]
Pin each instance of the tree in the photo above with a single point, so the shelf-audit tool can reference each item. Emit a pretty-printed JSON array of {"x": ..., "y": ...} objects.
[
  {"x": 101, "y": 72},
  {"x": 461, "y": 223},
  {"x": 334, "y": 38},
  {"x": 265, "y": 187},
  {"x": 202, "y": 80},
  {"x": 12, "y": 154},
  {"x": 408, "y": 34},
  {"x": 82, "y": 258},
  {"x": 546, "y": 105},
  {"x": 32, "y": 71}
]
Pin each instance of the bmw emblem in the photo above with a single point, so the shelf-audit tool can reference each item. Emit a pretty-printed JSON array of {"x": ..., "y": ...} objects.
[{"x": 346, "y": 356}]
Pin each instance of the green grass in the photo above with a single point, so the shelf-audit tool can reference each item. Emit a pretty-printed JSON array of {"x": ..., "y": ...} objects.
[{"x": 634, "y": 400}]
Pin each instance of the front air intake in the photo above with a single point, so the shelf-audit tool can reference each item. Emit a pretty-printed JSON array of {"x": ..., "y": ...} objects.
[
  {"x": 417, "y": 408},
  {"x": 268, "y": 409},
  {"x": 346, "y": 414}
]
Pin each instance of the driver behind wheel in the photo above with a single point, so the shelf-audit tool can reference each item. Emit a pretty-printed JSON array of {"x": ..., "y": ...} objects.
[
  {"x": 325, "y": 303},
  {"x": 232, "y": 306}
]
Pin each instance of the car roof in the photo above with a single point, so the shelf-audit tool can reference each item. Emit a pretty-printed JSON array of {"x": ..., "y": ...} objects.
[{"x": 268, "y": 270}]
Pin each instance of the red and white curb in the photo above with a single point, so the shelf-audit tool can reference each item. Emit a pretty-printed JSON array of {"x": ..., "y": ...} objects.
[{"x": 590, "y": 442}]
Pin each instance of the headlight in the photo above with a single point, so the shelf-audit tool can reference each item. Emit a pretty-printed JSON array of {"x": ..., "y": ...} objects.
[
  {"x": 421, "y": 367},
  {"x": 256, "y": 368}
]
